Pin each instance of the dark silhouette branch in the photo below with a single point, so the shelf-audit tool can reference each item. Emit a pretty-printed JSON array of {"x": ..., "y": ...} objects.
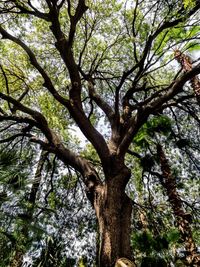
[
  {"x": 143, "y": 113},
  {"x": 47, "y": 81},
  {"x": 18, "y": 8},
  {"x": 37, "y": 116}
]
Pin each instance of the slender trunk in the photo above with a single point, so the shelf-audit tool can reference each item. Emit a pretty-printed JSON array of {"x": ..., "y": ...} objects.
[
  {"x": 113, "y": 209},
  {"x": 183, "y": 219},
  {"x": 17, "y": 259}
]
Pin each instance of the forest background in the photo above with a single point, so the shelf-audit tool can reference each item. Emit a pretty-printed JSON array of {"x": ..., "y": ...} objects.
[{"x": 124, "y": 75}]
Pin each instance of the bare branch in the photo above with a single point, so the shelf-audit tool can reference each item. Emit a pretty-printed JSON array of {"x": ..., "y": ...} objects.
[
  {"x": 140, "y": 65},
  {"x": 143, "y": 113},
  {"x": 100, "y": 102},
  {"x": 23, "y": 9},
  {"x": 47, "y": 81},
  {"x": 6, "y": 83},
  {"x": 174, "y": 88},
  {"x": 37, "y": 116}
]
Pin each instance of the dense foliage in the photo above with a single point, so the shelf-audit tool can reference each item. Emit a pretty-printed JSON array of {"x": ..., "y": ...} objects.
[{"x": 89, "y": 90}]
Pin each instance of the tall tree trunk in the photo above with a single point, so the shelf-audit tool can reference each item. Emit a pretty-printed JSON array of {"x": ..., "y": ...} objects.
[
  {"x": 183, "y": 219},
  {"x": 113, "y": 209}
]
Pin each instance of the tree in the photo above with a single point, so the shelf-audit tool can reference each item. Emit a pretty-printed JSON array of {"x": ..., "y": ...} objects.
[{"x": 84, "y": 62}]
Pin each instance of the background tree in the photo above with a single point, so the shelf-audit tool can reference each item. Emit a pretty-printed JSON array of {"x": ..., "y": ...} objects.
[{"x": 87, "y": 64}]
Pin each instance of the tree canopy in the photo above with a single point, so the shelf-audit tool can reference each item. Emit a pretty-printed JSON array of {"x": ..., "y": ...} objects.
[{"x": 99, "y": 132}]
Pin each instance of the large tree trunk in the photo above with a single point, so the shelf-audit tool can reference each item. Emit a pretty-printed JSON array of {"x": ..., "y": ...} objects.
[{"x": 113, "y": 209}]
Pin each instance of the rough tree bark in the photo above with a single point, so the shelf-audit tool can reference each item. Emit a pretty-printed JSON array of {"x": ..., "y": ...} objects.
[
  {"x": 112, "y": 206},
  {"x": 113, "y": 209},
  {"x": 186, "y": 64},
  {"x": 182, "y": 218}
]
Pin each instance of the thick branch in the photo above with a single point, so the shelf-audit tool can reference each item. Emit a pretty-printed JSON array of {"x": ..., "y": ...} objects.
[
  {"x": 91, "y": 134},
  {"x": 75, "y": 108},
  {"x": 90, "y": 176},
  {"x": 134, "y": 125},
  {"x": 100, "y": 102},
  {"x": 64, "y": 47}
]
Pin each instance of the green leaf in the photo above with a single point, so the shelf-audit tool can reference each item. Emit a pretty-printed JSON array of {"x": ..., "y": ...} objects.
[
  {"x": 189, "y": 3},
  {"x": 160, "y": 124}
]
